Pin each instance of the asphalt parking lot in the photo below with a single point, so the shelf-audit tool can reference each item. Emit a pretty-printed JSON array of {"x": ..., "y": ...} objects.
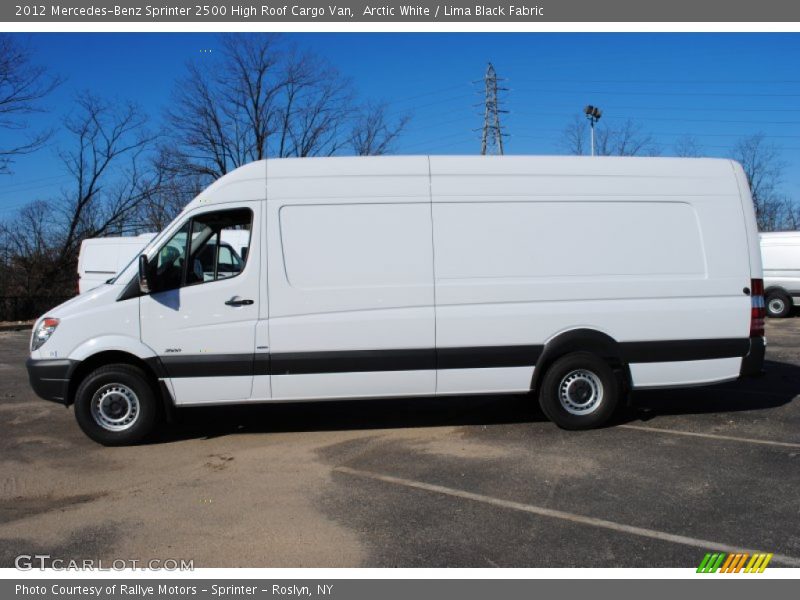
[{"x": 462, "y": 482}]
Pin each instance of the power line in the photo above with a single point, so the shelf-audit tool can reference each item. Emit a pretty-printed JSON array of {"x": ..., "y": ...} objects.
[
  {"x": 676, "y": 119},
  {"x": 11, "y": 186},
  {"x": 28, "y": 189},
  {"x": 443, "y": 100},
  {"x": 438, "y": 139},
  {"x": 676, "y": 134},
  {"x": 656, "y": 93},
  {"x": 693, "y": 109},
  {"x": 673, "y": 81},
  {"x": 440, "y": 123},
  {"x": 429, "y": 93}
]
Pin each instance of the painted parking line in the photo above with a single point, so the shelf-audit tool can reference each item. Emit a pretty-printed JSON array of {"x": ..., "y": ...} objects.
[
  {"x": 712, "y": 436},
  {"x": 541, "y": 511}
]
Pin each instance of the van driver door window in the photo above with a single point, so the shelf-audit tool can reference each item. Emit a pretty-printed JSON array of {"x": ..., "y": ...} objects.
[{"x": 201, "y": 315}]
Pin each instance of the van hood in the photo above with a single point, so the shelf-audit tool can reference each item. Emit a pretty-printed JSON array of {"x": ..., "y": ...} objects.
[{"x": 85, "y": 302}]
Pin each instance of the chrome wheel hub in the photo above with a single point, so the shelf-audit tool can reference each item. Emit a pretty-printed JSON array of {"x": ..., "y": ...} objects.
[
  {"x": 115, "y": 407},
  {"x": 580, "y": 392},
  {"x": 776, "y": 306}
]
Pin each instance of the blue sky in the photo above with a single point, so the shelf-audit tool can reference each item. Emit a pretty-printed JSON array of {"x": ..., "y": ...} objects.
[{"x": 716, "y": 87}]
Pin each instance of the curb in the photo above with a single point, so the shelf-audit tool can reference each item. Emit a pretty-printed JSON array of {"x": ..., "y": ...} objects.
[{"x": 18, "y": 326}]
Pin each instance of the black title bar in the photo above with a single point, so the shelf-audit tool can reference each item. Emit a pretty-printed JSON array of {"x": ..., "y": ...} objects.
[{"x": 343, "y": 11}]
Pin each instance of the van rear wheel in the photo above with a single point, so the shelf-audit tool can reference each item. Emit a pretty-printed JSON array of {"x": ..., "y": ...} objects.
[
  {"x": 779, "y": 305},
  {"x": 115, "y": 405},
  {"x": 579, "y": 391}
]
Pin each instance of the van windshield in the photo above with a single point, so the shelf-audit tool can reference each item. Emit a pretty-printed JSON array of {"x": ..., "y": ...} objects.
[
  {"x": 128, "y": 264},
  {"x": 122, "y": 270}
]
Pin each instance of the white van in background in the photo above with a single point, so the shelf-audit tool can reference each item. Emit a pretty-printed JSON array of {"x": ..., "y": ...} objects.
[
  {"x": 574, "y": 278},
  {"x": 100, "y": 259},
  {"x": 780, "y": 255}
]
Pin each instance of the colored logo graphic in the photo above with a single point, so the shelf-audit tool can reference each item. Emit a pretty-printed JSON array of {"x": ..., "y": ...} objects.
[{"x": 719, "y": 562}]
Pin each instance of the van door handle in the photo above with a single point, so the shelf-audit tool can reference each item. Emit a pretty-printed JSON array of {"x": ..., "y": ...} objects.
[{"x": 236, "y": 301}]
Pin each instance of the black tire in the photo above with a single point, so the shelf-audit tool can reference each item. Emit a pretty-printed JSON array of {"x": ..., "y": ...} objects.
[
  {"x": 779, "y": 305},
  {"x": 591, "y": 395},
  {"x": 130, "y": 398}
]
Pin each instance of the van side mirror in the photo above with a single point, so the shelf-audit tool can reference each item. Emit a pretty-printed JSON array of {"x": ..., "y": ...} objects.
[
  {"x": 244, "y": 250},
  {"x": 144, "y": 284}
]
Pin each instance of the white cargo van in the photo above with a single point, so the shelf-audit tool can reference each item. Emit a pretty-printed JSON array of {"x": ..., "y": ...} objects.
[
  {"x": 102, "y": 258},
  {"x": 576, "y": 278},
  {"x": 780, "y": 254}
]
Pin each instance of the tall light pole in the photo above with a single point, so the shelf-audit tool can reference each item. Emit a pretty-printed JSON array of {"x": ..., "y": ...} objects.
[{"x": 593, "y": 114}]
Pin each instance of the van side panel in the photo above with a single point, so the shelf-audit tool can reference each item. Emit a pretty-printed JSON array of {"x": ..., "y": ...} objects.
[
  {"x": 538, "y": 249},
  {"x": 350, "y": 278}
]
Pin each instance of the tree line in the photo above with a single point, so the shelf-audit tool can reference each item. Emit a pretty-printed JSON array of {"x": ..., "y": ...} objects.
[{"x": 261, "y": 97}]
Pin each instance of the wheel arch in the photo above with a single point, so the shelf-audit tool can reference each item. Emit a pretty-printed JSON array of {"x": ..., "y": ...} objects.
[
  {"x": 580, "y": 340},
  {"x": 151, "y": 366},
  {"x": 779, "y": 289}
]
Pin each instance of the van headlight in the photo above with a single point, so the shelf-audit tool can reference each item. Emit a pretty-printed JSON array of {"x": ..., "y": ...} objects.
[{"x": 42, "y": 332}]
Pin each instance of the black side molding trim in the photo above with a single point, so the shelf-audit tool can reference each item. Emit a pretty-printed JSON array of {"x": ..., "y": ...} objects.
[
  {"x": 424, "y": 359},
  {"x": 683, "y": 350},
  {"x": 208, "y": 365},
  {"x": 352, "y": 361},
  {"x": 488, "y": 357}
]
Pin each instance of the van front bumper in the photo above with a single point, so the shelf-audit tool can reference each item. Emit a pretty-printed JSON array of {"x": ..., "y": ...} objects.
[
  {"x": 753, "y": 363},
  {"x": 50, "y": 378}
]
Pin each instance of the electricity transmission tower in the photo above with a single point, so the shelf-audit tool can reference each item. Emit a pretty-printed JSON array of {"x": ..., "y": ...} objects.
[{"x": 492, "y": 137}]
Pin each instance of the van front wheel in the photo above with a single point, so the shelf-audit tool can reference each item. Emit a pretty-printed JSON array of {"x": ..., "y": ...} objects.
[
  {"x": 115, "y": 405},
  {"x": 579, "y": 391}
]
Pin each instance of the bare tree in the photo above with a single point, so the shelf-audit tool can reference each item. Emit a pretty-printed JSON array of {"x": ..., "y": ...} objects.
[
  {"x": 687, "y": 146},
  {"x": 575, "y": 137},
  {"x": 265, "y": 99},
  {"x": 27, "y": 253},
  {"x": 764, "y": 168},
  {"x": 109, "y": 169},
  {"x": 111, "y": 178},
  {"x": 22, "y": 86},
  {"x": 315, "y": 106},
  {"x": 373, "y": 133},
  {"x": 791, "y": 215},
  {"x": 174, "y": 190},
  {"x": 223, "y": 121},
  {"x": 625, "y": 139}
]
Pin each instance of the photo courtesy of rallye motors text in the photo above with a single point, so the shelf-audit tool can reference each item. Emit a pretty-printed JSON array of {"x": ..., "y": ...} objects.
[{"x": 144, "y": 591}]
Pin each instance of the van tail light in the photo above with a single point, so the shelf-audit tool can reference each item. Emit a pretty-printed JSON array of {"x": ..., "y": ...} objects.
[{"x": 758, "y": 311}]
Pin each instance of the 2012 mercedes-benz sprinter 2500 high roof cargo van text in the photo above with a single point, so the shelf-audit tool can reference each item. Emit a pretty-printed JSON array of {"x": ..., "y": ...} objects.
[{"x": 575, "y": 278}]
